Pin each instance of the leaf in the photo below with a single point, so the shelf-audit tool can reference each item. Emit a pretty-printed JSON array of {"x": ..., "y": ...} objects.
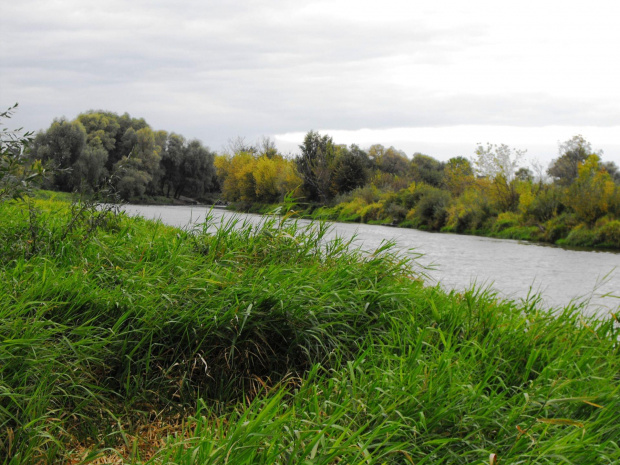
[{"x": 560, "y": 421}]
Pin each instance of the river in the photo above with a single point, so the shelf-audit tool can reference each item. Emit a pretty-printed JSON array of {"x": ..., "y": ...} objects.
[{"x": 514, "y": 269}]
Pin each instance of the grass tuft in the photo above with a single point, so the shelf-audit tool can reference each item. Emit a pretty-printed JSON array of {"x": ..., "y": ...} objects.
[{"x": 128, "y": 341}]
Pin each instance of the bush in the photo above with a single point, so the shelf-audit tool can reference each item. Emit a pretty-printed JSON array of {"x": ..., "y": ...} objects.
[
  {"x": 395, "y": 212},
  {"x": 559, "y": 226},
  {"x": 350, "y": 211},
  {"x": 431, "y": 210},
  {"x": 505, "y": 220},
  {"x": 521, "y": 233},
  {"x": 471, "y": 212},
  {"x": 546, "y": 204},
  {"x": 16, "y": 172},
  {"x": 609, "y": 234},
  {"x": 372, "y": 212},
  {"x": 581, "y": 236},
  {"x": 410, "y": 196}
]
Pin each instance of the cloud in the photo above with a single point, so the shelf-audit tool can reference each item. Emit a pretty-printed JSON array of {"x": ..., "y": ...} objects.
[
  {"x": 218, "y": 69},
  {"x": 461, "y": 140}
]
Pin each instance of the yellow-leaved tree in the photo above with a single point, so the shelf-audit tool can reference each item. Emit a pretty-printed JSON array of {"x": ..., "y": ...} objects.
[
  {"x": 591, "y": 194},
  {"x": 248, "y": 178}
]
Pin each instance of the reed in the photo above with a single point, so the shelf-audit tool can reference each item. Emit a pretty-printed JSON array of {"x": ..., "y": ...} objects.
[{"x": 128, "y": 341}]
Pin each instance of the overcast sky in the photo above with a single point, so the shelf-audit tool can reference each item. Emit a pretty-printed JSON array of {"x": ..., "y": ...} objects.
[{"x": 435, "y": 77}]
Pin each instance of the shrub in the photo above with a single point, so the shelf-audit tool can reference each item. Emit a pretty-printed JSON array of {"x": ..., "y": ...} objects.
[
  {"x": 395, "y": 212},
  {"x": 368, "y": 194},
  {"x": 372, "y": 212},
  {"x": 351, "y": 211},
  {"x": 546, "y": 204},
  {"x": 521, "y": 233},
  {"x": 609, "y": 234},
  {"x": 504, "y": 221},
  {"x": 16, "y": 172},
  {"x": 470, "y": 212},
  {"x": 581, "y": 236},
  {"x": 559, "y": 226},
  {"x": 410, "y": 196},
  {"x": 431, "y": 210}
]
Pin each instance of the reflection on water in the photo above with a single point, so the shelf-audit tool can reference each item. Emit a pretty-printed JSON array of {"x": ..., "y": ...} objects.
[{"x": 514, "y": 269}]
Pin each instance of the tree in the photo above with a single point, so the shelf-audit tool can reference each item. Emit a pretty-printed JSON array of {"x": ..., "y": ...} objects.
[
  {"x": 131, "y": 179},
  {"x": 102, "y": 125},
  {"x": 350, "y": 170},
  {"x": 565, "y": 169},
  {"x": 267, "y": 147},
  {"x": 137, "y": 172},
  {"x": 239, "y": 145},
  {"x": 458, "y": 175},
  {"x": 427, "y": 169},
  {"x": 171, "y": 161},
  {"x": 89, "y": 171},
  {"x": 592, "y": 192},
  {"x": 499, "y": 164},
  {"x": 390, "y": 160},
  {"x": 125, "y": 137},
  {"x": 196, "y": 170},
  {"x": 236, "y": 172},
  {"x": 524, "y": 174},
  {"x": 495, "y": 160},
  {"x": 315, "y": 165},
  {"x": 613, "y": 171},
  {"x": 61, "y": 145},
  {"x": 249, "y": 178}
]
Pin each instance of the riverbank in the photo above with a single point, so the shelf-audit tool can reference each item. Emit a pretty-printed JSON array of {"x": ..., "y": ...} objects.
[
  {"x": 566, "y": 232},
  {"x": 133, "y": 341}
]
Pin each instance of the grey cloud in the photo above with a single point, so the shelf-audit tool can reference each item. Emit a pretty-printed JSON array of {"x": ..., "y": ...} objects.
[{"x": 218, "y": 69}]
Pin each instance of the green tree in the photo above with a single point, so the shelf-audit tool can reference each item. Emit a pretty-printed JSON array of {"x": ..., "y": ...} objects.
[
  {"x": 125, "y": 137},
  {"x": 390, "y": 160},
  {"x": 427, "y": 169},
  {"x": 613, "y": 171},
  {"x": 316, "y": 165},
  {"x": 171, "y": 161},
  {"x": 137, "y": 172},
  {"x": 524, "y": 174},
  {"x": 101, "y": 125},
  {"x": 351, "y": 169},
  {"x": 131, "y": 179},
  {"x": 89, "y": 171},
  {"x": 61, "y": 145},
  {"x": 196, "y": 170}
]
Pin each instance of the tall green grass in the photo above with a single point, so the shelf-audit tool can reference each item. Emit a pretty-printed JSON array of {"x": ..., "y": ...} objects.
[{"x": 235, "y": 343}]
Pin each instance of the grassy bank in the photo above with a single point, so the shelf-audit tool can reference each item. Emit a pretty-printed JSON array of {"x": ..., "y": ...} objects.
[
  {"x": 565, "y": 230},
  {"x": 124, "y": 340}
]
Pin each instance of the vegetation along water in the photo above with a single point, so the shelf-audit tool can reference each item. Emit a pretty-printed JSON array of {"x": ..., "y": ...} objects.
[
  {"x": 124, "y": 340},
  {"x": 574, "y": 201}
]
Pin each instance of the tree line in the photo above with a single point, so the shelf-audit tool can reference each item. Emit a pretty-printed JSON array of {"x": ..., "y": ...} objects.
[
  {"x": 574, "y": 201},
  {"x": 491, "y": 193},
  {"x": 102, "y": 147}
]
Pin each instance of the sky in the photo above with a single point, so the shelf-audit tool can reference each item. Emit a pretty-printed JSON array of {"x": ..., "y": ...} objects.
[{"x": 432, "y": 77}]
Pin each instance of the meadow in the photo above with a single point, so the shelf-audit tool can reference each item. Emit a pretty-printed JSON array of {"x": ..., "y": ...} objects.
[{"x": 127, "y": 341}]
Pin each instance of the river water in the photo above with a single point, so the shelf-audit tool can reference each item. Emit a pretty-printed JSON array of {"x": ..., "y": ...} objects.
[{"x": 514, "y": 269}]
